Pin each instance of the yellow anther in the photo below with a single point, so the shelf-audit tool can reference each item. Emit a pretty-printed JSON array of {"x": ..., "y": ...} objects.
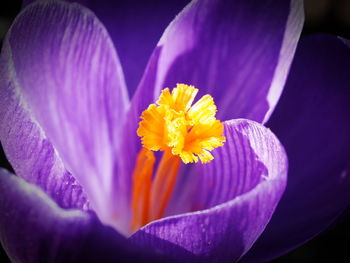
[
  {"x": 203, "y": 111},
  {"x": 190, "y": 132},
  {"x": 180, "y": 99},
  {"x": 184, "y": 132}
]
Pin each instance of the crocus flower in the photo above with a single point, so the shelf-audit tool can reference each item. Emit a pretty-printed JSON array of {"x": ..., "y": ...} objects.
[{"x": 69, "y": 131}]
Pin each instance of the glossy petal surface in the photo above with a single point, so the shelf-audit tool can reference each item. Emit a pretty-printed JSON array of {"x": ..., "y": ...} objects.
[
  {"x": 69, "y": 76},
  {"x": 34, "y": 229},
  {"x": 312, "y": 121},
  {"x": 241, "y": 189}
]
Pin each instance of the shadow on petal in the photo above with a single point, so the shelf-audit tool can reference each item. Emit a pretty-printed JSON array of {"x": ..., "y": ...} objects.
[
  {"x": 312, "y": 121},
  {"x": 34, "y": 229}
]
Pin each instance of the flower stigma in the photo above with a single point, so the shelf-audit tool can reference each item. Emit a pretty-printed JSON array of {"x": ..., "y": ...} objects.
[{"x": 184, "y": 132}]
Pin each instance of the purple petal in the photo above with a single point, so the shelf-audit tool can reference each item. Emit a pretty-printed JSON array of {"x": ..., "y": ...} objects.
[
  {"x": 242, "y": 187},
  {"x": 135, "y": 27},
  {"x": 30, "y": 152},
  {"x": 34, "y": 229},
  {"x": 312, "y": 121},
  {"x": 238, "y": 51},
  {"x": 67, "y": 73}
]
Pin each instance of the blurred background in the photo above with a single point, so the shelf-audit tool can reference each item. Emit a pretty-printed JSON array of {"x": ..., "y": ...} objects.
[{"x": 328, "y": 16}]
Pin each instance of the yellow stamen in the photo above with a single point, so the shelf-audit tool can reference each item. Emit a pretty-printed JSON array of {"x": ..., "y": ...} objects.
[
  {"x": 180, "y": 99},
  {"x": 190, "y": 132},
  {"x": 184, "y": 132}
]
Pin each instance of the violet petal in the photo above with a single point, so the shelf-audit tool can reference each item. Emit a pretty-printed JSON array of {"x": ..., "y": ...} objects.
[
  {"x": 253, "y": 167},
  {"x": 135, "y": 27},
  {"x": 28, "y": 149},
  {"x": 34, "y": 229},
  {"x": 69, "y": 77},
  {"x": 237, "y": 51},
  {"x": 312, "y": 121}
]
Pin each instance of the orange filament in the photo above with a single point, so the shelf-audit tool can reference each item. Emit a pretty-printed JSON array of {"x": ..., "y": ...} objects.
[
  {"x": 184, "y": 131},
  {"x": 163, "y": 184},
  {"x": 150, "y": 198},
  {"x": 142, "y": 180}
]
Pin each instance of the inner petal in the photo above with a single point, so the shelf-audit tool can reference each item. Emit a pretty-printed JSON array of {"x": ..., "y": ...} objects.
[{"x": 250, "y": 156}]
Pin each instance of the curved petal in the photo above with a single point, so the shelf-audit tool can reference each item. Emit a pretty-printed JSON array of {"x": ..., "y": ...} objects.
[
  {"x": 135, "y": 27},
  {"x": 68, "y": 75},
  {"x": 237, "y": 51},
  {"x": 316, "y": 137},
  {"x": 234, "y": 50},
  {"x": 253, "y": 166},
  {"x": 30, "y": 152},
  {"x": 34, "y": 229}
]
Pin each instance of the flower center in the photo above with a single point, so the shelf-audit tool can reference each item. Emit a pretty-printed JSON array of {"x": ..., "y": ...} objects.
[{"x": 183, "y": 132}]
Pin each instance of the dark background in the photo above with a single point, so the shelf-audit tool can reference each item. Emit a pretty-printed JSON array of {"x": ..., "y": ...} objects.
[{"x": 329, "y": 16}]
